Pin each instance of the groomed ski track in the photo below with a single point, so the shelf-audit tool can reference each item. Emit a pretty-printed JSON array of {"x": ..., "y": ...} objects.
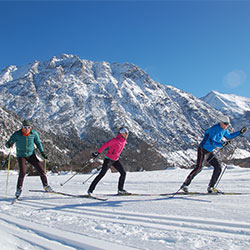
[
  {"x": 92, "y": 211},
  {"x": 51, "y": 221},
  {"x": 181, "y": 223}
]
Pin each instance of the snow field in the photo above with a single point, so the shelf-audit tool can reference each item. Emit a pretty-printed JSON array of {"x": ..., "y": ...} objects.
[{"x": 50, "y": 221}]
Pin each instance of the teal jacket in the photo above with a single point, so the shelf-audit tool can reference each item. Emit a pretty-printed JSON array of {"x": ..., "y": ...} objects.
[{"x": 25, "y": 144}]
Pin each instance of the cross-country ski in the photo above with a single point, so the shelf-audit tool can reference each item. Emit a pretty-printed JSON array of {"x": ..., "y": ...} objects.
[
  {"x": 205, "y": 193},
  {"x": 71, "y": 195}
]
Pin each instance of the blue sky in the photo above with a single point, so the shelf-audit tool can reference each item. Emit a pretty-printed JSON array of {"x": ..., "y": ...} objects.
[{"x": 196, "y": 46}]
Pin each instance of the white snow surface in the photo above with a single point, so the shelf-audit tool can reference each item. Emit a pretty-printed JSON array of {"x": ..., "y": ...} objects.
[{"x": 51, "y": 221}]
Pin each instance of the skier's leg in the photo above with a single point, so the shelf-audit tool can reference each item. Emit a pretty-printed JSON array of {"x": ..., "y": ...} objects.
[
  {"x": 122, "y": 172},
  {"x": 39, "y": 167},
  {"x": 105, "y": 167},
  {"x": 200, "y": 158},
  {"x": 22, "y": 171},
  {"x": 217, "y": 170}
]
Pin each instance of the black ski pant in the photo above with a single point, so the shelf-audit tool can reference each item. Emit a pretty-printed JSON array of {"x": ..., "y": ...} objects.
[
  {"x": 106, "y": 165},
  {"x": 202, "y": 154},
  {"x": 34, "y": 162}
]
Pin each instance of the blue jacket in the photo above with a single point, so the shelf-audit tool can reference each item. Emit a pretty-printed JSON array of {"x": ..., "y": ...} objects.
[
  {"x": 213, "y": 136},
  {"x": 25, "y": 144}
]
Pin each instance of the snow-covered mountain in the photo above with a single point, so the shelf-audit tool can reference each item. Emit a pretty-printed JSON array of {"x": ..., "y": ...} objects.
[
  {"x": 90, "y": 100},
  {"x": 232, "y": 105},
  {"x": 237, "y": 107}
]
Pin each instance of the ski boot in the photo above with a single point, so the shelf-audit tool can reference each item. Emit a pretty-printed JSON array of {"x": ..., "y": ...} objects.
[
  {"x": 90, "y": 193},
  {"x": 213, "y": 190},
  {"x": 184, "y": 188},
  {"x": 48, "y": 188},
  {"x": 123, "y": 192},
  {"x": 18, "y": 192}
]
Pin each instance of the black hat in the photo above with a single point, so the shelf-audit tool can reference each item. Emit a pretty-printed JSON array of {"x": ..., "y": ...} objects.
[{"x": 26, "y": 123}]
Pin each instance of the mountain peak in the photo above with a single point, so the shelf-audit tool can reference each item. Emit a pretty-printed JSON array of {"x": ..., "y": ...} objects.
[
  {"x": 68, "y": 95},
  {"x": 229, "y": 104}
]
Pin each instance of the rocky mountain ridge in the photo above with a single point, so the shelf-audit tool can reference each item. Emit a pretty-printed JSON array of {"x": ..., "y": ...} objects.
[{"x": 88, "y": 101}]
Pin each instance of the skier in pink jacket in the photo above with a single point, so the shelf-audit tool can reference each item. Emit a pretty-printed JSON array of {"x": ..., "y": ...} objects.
[{"x": 116, "y": 146}]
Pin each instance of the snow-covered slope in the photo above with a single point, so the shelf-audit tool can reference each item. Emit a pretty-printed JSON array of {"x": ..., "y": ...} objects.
[{"x": 91, "y": 100}]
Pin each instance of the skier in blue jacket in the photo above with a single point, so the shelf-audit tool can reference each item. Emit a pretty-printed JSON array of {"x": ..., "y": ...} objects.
[{"x": 211, "y": 140}]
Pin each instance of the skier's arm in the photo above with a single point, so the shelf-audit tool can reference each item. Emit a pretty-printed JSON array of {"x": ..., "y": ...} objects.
[
  {"x": 216, "y": 143},
  {"x": 11, "y": 141},
  {"x": 106, "y": 145},
  {"x": 230, "y": 136},
  {"x": 38, "y": 142}
]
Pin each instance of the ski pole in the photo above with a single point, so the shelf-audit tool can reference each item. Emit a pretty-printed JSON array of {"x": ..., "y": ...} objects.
[
  {"x": 216, "y": 154},
  {"x": 5, "y": 161},
  {"x": 7, "y": 180},
  {"x": 91, "y": 175},
  {"x": 85, "y": 164},
  {"x": 217, "y": 183},
  {"x": 45, "y": 170},
  {"x": 220, "y": 176},
  {"x": 69, "y": 179},
  {"x": 175, "y": 193}
]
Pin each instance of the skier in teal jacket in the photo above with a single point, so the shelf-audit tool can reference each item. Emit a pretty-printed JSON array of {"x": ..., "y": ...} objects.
[{"x": 25, "y": 139}]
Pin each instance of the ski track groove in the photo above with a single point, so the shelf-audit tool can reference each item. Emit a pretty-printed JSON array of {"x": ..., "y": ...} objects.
[
  {"x": 161, "y": 222},
  {"x": 39, "y": 239}
]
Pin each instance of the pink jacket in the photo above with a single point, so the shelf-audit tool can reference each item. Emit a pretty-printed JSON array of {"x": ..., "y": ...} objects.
[{"x": 115, "y": 145}]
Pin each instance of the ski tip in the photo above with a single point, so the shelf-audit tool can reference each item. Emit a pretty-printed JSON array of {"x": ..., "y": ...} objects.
[
  {"x": 14, "y": 201},
  {"x": 93, "y": 197}
]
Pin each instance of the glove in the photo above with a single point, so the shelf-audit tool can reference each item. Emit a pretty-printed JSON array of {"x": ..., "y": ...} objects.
[
  {"x": 10, "y": 144},
  {"x": 243, "y": 130},
  {"x": 95, "y": 154},
  {"x": 226, "y": 143},
  {"x": 44, "y": 156}
]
